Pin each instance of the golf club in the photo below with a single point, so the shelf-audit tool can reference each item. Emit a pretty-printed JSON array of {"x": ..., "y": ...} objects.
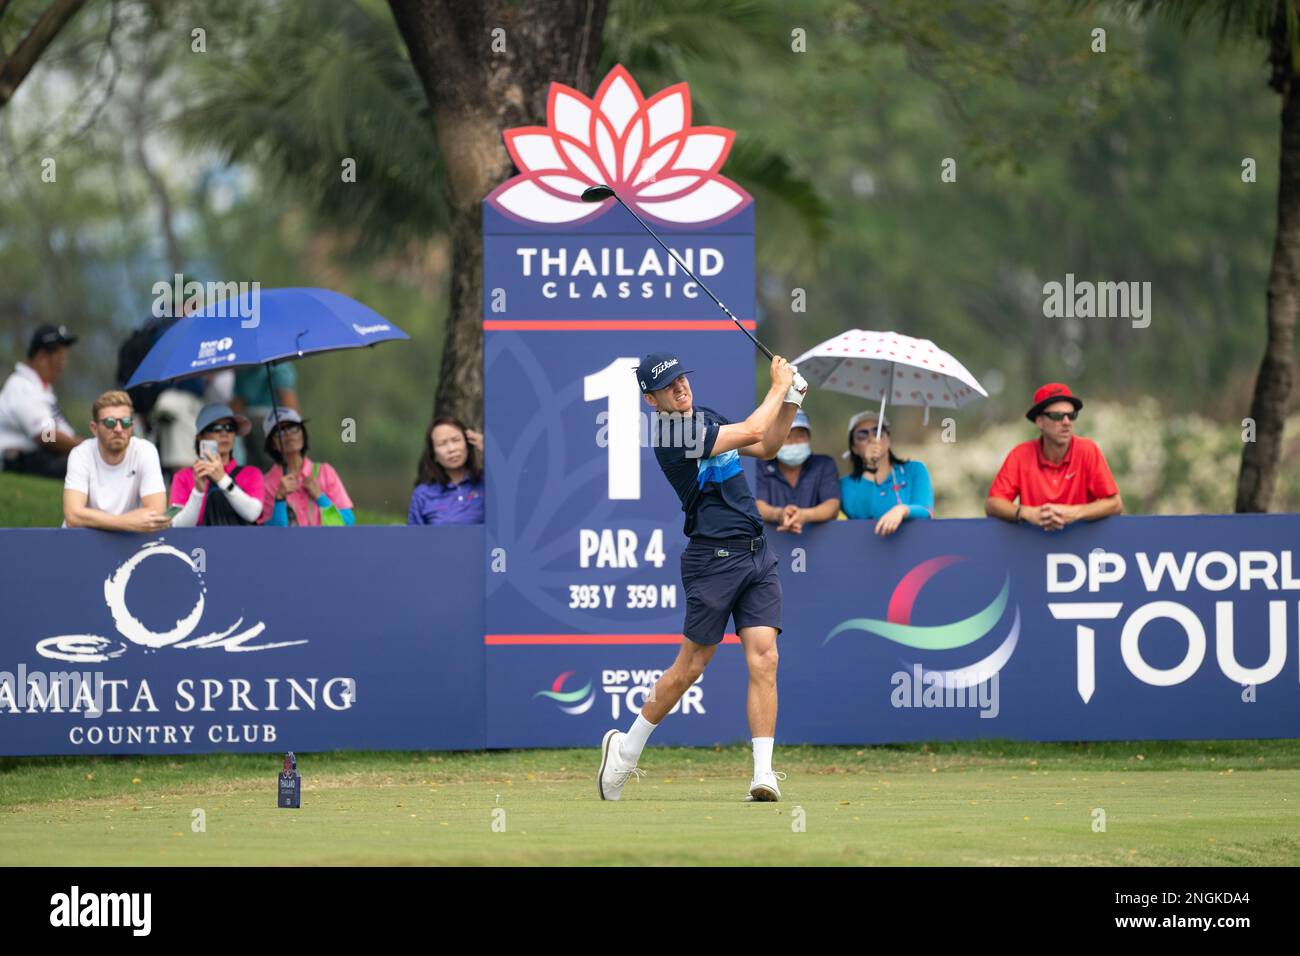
[{"x": 601, "y": 193}]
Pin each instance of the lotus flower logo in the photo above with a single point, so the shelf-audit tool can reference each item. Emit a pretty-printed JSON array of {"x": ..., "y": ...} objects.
[{"x": 646, "y": 149}]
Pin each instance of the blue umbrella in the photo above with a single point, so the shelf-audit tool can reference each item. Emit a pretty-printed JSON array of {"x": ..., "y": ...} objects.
[{"x": 257, "y": 328}]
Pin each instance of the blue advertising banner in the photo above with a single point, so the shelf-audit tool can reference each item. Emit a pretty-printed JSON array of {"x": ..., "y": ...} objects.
[
  {"x": 1132, "y": 628},
  {"x": 241, "y": 640},
  {"x": 231, "y": 639}
]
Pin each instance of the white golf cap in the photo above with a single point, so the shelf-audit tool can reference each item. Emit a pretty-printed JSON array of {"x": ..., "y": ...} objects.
[
  {"x": 279, "y": 416},
  {"x": 871, "y": 413}
]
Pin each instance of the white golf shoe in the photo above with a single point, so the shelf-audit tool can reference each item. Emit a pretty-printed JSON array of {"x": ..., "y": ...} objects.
[
  {"x": 614, "y": 770},
  {"x": 763, "y": 788}
]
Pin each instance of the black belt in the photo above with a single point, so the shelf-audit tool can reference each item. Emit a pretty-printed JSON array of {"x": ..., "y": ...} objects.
[{"x": 738, "y": 544}]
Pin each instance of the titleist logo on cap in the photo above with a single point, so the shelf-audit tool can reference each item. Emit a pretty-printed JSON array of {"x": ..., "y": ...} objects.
[{"x": 662, "y": 366}]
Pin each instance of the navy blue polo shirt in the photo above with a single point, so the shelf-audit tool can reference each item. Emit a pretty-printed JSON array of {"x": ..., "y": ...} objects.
[
  {"x": 714, "y": 493},
  {"x": 818, "y": 481},
  {"x": 434, "y": 503}
]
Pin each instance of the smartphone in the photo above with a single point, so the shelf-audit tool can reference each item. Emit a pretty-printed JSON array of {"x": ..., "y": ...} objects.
[
  {"x": 172, "y": 511},
  {"x": 208, "y": 448}
]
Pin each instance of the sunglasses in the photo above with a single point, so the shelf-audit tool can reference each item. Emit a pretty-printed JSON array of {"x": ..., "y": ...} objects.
[
  {"x": 868, "y": 434},
  {"x": 288, "y": 427},
  {"x": 1057, "y": 416},
  {"x": 220, "y": 427},
  {"x": 112, "y": 423}
]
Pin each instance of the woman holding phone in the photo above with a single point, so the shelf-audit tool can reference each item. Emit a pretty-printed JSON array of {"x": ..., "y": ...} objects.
[{"x": 217, "y": 490}]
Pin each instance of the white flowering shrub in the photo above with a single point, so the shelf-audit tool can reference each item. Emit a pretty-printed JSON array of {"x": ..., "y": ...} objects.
[{"x": 1186, "y": 464}]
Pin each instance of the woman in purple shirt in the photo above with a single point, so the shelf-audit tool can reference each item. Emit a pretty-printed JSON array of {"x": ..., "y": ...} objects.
[{"x": 449, "y": 488}]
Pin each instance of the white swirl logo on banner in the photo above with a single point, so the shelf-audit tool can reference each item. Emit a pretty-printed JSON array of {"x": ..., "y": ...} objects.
[{"x": 92, "y": 648}]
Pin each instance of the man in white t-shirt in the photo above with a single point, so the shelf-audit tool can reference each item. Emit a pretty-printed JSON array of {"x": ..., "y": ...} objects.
[{"x": 114, "y": 483}]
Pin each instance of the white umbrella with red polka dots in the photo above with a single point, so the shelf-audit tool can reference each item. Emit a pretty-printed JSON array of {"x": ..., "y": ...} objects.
[{"x": 891, "y": 367}]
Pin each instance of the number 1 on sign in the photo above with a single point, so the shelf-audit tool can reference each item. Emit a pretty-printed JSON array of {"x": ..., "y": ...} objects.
[{"x": 617, "y": 383}]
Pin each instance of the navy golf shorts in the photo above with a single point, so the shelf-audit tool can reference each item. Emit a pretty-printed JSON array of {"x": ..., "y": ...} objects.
[{"x": 727, "y": 580}]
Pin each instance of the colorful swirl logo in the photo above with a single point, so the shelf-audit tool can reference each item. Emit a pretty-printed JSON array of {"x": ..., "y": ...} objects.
[
  {"x": 898, "y": 626},
  {"x": 563, "y": 697}
]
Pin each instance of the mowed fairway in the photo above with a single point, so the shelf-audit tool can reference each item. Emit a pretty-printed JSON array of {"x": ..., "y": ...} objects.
[{"x": 988, "y": 803}]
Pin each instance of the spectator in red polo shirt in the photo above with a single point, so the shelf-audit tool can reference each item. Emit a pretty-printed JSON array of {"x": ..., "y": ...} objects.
[{"x": 1060, "y": 478}]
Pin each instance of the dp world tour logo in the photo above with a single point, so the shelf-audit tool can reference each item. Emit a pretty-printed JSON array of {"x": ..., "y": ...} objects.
[
  {"x": 897, "y": 626},
  {"x": 646, "y": 149},
  {"x": 567, "y": 700}
]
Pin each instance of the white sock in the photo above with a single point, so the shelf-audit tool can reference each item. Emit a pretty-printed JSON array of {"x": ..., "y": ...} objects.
[
  {"x": 763, "y": 754},
  {"x": 632, "y": 745}
]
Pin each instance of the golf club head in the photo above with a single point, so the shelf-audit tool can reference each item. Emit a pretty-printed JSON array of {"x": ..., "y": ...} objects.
[{"x": 597, "y": 193}]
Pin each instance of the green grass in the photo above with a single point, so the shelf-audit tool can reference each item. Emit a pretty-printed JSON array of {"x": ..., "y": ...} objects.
[
  {"x": 30, "y": 502},
  {"x": 986, "y": 803},
  {"x": 999, "y": 802},
  {"x": 370, "y": 516}
]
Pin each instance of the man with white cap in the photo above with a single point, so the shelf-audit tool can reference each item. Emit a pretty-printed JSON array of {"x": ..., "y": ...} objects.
[{"x": 797, "y": 488}]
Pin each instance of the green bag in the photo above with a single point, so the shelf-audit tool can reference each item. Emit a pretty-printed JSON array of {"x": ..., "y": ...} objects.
[{"x": 329, "y": 517}]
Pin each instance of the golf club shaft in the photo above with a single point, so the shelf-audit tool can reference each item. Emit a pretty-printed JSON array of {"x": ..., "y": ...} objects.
[{"x": 761, "y": 347}]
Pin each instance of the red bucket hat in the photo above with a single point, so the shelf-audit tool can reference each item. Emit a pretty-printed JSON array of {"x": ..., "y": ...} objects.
[{"x": 1049, "y": 393}]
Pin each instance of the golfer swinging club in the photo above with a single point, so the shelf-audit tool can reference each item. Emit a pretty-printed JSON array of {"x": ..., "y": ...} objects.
[{"x": 728, "y": 569}]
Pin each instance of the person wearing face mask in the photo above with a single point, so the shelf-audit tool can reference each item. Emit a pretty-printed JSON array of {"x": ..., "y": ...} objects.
[
  {"x": 883, "y": 487},
  {"x": 797, "y": 488}
]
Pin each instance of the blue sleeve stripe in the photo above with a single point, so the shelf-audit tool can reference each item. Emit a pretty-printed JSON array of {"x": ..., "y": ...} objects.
[{"x": 718, "y": 470}]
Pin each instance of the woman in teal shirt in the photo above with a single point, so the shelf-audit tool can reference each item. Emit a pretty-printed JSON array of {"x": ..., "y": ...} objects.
[{"x": 883, "y": 487}]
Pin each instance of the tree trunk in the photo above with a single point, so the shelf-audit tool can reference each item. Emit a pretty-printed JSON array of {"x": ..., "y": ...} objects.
[
  {"x": 139, "y": 133},
  {"x": 1260, "y": 458},
  {"x": 14, "y": 69},
  {"x": 476, "y": 93}
]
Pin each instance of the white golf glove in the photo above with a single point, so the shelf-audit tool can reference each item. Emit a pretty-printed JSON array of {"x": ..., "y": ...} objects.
[{"x": 795, "y": 393}]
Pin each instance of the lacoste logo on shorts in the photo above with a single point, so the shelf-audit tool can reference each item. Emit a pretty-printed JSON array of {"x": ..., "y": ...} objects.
[{"x": 723, "y": 553}]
